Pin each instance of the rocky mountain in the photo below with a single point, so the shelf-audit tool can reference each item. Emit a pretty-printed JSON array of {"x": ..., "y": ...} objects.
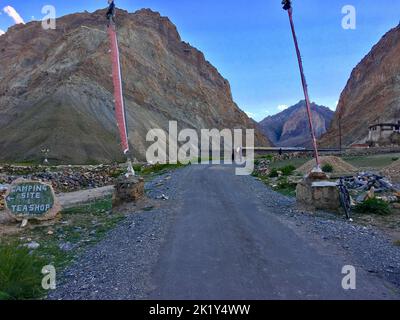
[
  {"x": 56, "y": 88},
  {"x": 372, "y": 94},
  {"x": 290, "y": 127}
]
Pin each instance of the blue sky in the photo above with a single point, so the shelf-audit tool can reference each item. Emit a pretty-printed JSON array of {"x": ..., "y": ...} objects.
[{"x": 251, "y": 45}]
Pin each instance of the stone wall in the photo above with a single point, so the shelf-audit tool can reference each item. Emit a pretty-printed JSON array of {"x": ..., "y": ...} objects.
[{"x": 318, "y": 195}]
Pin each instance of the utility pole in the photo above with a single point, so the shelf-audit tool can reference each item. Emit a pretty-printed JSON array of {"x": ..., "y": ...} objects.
[{"x": 287, "y": 5}]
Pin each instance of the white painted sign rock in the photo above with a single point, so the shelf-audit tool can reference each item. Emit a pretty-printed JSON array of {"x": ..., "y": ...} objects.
[{"x": 27, "y": 199}]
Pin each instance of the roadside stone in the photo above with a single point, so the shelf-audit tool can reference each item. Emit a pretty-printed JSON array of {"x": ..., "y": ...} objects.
[
  {"x": 66, "y": 246},
  {"x": 317, "y": 195},
  {"x": 24, "y": 223},
  {"x": 396, "y": 205},
  {"x": 129, "y": 189},
  {"x": 32, "y": 245},
  {"x": 28, "y": 199}
]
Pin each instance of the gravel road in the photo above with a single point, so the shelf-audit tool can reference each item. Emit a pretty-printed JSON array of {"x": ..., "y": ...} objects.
[{"x": 221, "y": 236}]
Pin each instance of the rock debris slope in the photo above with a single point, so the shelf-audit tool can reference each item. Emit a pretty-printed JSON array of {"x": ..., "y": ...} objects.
[
  {"x": 372, "y": 94},
  {"x": 56, "y": 88}
]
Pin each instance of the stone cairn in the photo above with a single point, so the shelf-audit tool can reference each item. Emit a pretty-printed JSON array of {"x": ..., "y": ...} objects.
[{"x": 128, "y": 189}]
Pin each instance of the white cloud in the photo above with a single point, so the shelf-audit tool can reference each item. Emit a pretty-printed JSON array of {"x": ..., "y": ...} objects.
[
  {"x": 1, "y": 32},
  {"x": 13, "y": 14},
  {"x": 282, "y": 107}
]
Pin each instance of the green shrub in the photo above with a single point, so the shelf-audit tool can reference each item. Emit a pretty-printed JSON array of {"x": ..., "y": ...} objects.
[
  {"x": 20, "y": 273},
  {"x": 373, "y": 205},
  {"x": 267, "y": 157},
  {"x": 273, "y": 173},
  {"x": 117, "y": 173},
  {"x": 285, "y": 187},
  {"x": 288, "y": 170},
  {"x": 283, "y": 183},
  {"x": 158, "y": 167},
  {"x": 327, "y": 168},
  {"x": 395, "y": 159}
]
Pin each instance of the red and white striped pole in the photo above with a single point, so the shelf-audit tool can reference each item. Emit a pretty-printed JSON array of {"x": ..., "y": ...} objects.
[
  {"x": 120, "y": 112},
  {"x": 289, "y": 9},
  {"x": 118, "y": 94}
]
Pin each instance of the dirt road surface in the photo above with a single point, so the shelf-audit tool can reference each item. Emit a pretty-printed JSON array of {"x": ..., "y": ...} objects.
[{"x": 222, "y": 236}]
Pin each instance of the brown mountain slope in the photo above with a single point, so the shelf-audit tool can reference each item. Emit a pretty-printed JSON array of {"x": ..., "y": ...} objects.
[
  {"x": 371, "y": 95},
  {"x": 56, "y": 89},
  {"x": 290, "y": 127}
]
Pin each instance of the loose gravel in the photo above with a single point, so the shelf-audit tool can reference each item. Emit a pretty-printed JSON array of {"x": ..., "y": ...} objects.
[
  {"x": 369, "y": 247},
  {"x": 103, "y": 272}
]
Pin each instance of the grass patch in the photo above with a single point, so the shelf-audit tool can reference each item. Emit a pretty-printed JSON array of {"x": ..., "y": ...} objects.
[
  {"x": 96, "y": 207},
  {"x": 25, "y": 163},
  {"x": 278, "y": 180},
  {"x": 137, "y": 168},
  {"x": 79, "y": 227},
  {"x": 374, "y": 206},
  {"x": 297, "y": 162},
  {"x": 288, "y": 170},
  {"x": 20, "y": 273},
  {"x": 161, "y": 168},
  {"x": 286, "y": 187},
  {"x": 285, "y": 171},
  {"x": 274, "y": 173},
  {"x": 282, "y": 185},
  {"x": 373, "y": 161},
  {"x": 265, "y": 157},
  {"x": 327, "y": 168},
  {"x": 117, "y": 173}
]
